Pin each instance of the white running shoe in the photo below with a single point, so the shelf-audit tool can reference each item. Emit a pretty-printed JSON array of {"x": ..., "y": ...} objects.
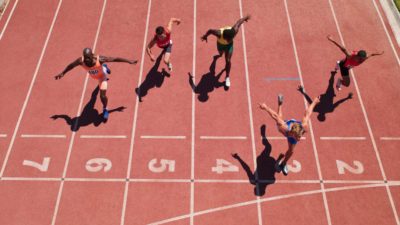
[
  {"x": 228, "y": 82},
  {"x": 170, "y": 67},
  {"x": 337, "y": 67},
  {"x": 278, "y": 167},
  {"x": 339, "y": 84},
  {"x": 280, "y": 99},
  {"x": 285, "y": 170}
]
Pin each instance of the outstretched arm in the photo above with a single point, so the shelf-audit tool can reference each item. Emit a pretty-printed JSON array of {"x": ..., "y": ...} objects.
[
  {"x": 148, "y": 49},
  {"x": 104, "y": 59},
  {"x": 376, "y": 54},
  {"x": 214, "y": 32},
  {"x": 308, "y": 112},
  {"x": 72, "y": 65},
  {"x": 171, "y": 22},
  {"x": 240, "y": 22},
  {"x": 279, "y": 120},
  {"x": 344, "y": 50}
]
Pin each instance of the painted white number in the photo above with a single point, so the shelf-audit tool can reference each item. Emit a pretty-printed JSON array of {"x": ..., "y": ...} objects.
[
  {"x": 359, "y": 168},
  {"x": 164, "y": 165},
  {"x": 224, "y": 166},
  {"x": 42, "y": 167},
  {"x": 98, "y": 164},
  {"x": 295, "y": 167}
]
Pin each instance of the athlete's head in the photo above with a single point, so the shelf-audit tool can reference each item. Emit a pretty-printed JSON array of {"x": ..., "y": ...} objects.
[
  {"x": 362, "y": 55},
  {"x": 88, "y": 56},
  {"x": 296, "y": 131},
  {"x": 228, "y": 34},
  {"x": 160, "y": 31}
]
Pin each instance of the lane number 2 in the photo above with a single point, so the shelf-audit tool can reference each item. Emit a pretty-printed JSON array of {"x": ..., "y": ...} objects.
[{"x": 357, "y": 169}]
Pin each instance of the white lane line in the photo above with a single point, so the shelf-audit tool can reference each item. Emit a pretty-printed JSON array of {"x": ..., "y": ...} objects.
[
  {"x": 279, "y": 138},
  {"x": 344, "y": 138},
  {"x": 328, "y": 216},
  {"x": 386, "y": 31},
  {"x": 8, "y": 19},
  {"x": 3, "y": 135},
  {"x": 162, "y": 137},
  {"x": 243, "y": 181},
  {"x": 71, "y": 143},
  {"x": 268, "y": 199},
  {"x": 43, "y": 136},
  {"x": 250, "y": 108},
  {"x": 390, "y": 138},
  {"x": 375, "y": 147},
  {"x": 29, "y": 91},
  {"x": 103, "y": 136},
  {"x": 192, "y": 149},
  {"x": 223, "y": 137},
  {"x": 134, "y": 122}
]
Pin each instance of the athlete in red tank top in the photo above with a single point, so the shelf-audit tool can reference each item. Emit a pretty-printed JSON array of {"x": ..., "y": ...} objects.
[
  {"x": 94, "y": 65},
  {"x": 162, "y": 38},
  {"x": 351, "y": 60}
]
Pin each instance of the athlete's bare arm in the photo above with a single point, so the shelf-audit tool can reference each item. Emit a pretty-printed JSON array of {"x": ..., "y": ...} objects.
[
  {"x": 72, "y": 65},
  {"x": 240, "y": 22},
  {"x": 148, "y": 49},
  {"x": 216, "y": 33},
  {"x": 171, "y": 22},
  {"x": 342, "y": 48},
  {"x": 375, "y": 54},
  {"x": 104, "y": 59},
  {"x": 308, "y": 112}
]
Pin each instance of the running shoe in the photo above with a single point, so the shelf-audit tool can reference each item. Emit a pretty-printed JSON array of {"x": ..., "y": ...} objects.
[
  {"x": 337, "y": 67},
  {"x": 280, "y": 99},
  {"x": 169, "y": 67},
  {"x": 105, "y": 114},
  {"x": 339, "y": 84},
  {"x": 284, "y": 169},
  {"x": 278, "y": 167},
  {"x": 106, "y": 70},
  {"x": 227, "y": 82}
]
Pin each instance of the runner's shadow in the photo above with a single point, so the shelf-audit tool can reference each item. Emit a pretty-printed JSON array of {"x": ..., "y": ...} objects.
[
  {"x": 326, "y": 104},
  {"x": 265, "y": 171},
  {"x": 208, "y": 82},
  {"x": 89, "y": 115},
  {"x": 153, "y": 79}
]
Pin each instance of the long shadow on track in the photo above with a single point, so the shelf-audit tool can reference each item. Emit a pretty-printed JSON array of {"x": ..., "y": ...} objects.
[
  {"x": 89, "y": 115},
  {"x": 153, "y": 79},
  {"x": 208, "y": 82},
  {"x": 326, "y": 104},
  {"x": 264, "y": 174}
]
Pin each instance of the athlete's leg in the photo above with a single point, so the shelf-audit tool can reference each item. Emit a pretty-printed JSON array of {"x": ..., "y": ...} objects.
[
  {"x": 346, "y": 80},
  {"x": 167, "y": 57},
  {"x": 103, "y": 97}
]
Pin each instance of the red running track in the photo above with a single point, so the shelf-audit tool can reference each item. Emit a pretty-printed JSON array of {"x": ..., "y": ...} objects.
[{"x": 156, "y": 161}]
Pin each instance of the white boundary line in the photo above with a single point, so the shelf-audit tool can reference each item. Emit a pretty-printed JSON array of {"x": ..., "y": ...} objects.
[
  {"x": 192, "y": 148},
  {"x": 43, "y": 136},
  {"x": 71, "y": 143},
  {"x": 8, "y": 19},
  {"x": 268, "y": 199},
  {"x": 223, "y": 137},
  {"x": 162, "y": 137},
  {"x": 343, "y": 138},
  {"x": 390, "y": 138},
  {"x": 251, "y": 122},
  {"x": 134, "y": 122},
  {"x": 161, "y": 180},
  {"x": 14, "y": 135},
  {"x": 280, "y": 138},
  {"x": 386, "y": 31},
  {"x": 393, "y": 17},
  {"x": 366, "y": 120},
  {"x": 104, "y": 136},
  {"x": 328, "y": 216}
]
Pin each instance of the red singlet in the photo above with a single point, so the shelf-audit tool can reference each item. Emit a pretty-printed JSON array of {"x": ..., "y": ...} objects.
[
  {"x": 351, "y": 61},
  {"x": 164, "y": 42}
]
